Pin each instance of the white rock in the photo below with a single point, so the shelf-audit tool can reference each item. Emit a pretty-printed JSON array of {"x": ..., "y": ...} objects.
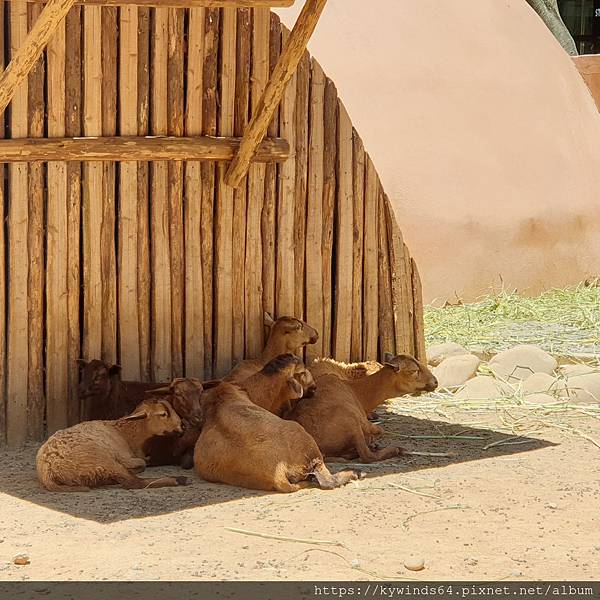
[
  {"x": 415, "y": 563},
  {"x": 456, "y": 370},
  {"x": 521, "y": 362},
  {"x": 577, "y": 369},
  {"x": 584, "y": 388},
  {"x": 436, "y": 354},
  {"x": 542, "y": 383},
  {"x": 484, "y": 387}
]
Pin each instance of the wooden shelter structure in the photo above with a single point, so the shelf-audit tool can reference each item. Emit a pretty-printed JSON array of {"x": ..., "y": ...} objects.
[{"x": 171, "y": 169}]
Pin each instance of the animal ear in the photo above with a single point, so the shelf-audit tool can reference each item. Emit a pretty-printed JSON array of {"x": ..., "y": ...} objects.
[
  {"x": 114, "y": 370},
  {"x": 268, "y": 320},
  {"x": 136, "y": 416},
  {"x": 161, "y": 391},
  {"x": 388, "y": 357},
  {"x": 295, "y": 388},
  {"x": 211, "y": 383}
]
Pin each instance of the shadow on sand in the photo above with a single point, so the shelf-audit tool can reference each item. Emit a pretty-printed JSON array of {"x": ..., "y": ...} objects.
[{"x": 107, "y": 505}]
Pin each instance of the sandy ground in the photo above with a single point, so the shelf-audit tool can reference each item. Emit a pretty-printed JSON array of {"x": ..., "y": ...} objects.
[{"x": 526, "y": 511}]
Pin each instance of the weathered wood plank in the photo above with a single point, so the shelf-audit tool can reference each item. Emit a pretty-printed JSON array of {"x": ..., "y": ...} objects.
[
  {"x": 371, "y": 268},
  {"x": 253, "y": 318},
  {"x": 160, "y": 227},
  {"x": 3, "y": 272},
  {"x": 194, "y": 287},
  {"x": 129, "y": 322},
  {"x": 329, "y": 198},
  {"x": 358, "y": 183},
  {"x": 285, "y": 283},
  {"x": 183, "y": 3},
  {"x": 344, "y": 239},
  {"x": 240, "y": 199},
  {"x": 284, "y": 71},
  {"x": 386, "y": 316},
  {"x": 224, "y": 207},
  {"x": 18, "y": 254},
  {"x": 419, "y": 323},
  {"x": 176, "y": 102},
  {"x": 57, "y": 335},
  {"x": 314, "y": 210}
]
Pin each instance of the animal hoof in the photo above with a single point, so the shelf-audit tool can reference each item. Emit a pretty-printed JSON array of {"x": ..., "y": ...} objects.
[
  {"x": 361, "y": 474},
  {"x": 182, "y": 480},
  {"x": 400, "y": 451},
  {"x": 187, "y": 462}
]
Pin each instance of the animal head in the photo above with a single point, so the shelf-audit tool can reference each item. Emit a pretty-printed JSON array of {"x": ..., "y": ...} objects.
[
  {"x": 158, "y": 416},
  {"x": 305, "y": 378},
  {"x": 410, "y": 376},
  {"x": 184, "y": 395},
  {"x": 97, "y": 378},
  {"x": 296, "y": 379},
  {"x": 292, "y": 332}
]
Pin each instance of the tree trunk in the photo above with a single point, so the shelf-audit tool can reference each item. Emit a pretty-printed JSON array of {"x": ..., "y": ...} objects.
[{"x": 549, "y": 13}]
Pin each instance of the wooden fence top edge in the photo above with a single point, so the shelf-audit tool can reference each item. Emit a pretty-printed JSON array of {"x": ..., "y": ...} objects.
[{"x": 180, "y": 3}]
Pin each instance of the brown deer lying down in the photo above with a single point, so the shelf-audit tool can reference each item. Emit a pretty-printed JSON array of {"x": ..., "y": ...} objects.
[
  {"x": 336, "y": 416},
  {"x": 286, "y": 335},
  {"x": 184, "y": 396},
  {"x": 245, "y": 445},
  {"x": 97, "y": 453},
  {"x": 102, "y": 393}
]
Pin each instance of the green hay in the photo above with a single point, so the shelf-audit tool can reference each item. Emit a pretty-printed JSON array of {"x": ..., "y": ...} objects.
[{"x": 565, "y": 322}]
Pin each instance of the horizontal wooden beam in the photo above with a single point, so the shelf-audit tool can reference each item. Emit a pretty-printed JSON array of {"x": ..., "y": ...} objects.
[
  {"x": 184, "y": 3},
  {"x": 267, "y": 105},
  {"x": 27, "y": 55},
  {"x": 136, "y": 149}
]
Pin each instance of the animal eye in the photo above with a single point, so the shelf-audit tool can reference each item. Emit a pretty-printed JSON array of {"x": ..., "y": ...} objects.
[{"x": 164, "y": 414}]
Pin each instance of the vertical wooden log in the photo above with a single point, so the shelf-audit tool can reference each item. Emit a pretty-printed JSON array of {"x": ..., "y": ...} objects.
[
  {"x": 194, "y": 288},
  {"x": 143, "y": 181},
  {"x": 268, "y": 217},
  {"x": 286, "y": 285},
  {"x": 370, "y": 266},
  {"x": 129, "y": 336},
  {"x": 329, "y": 196},
  {"x": 358, "y": 181},
  {"x": 253, "y": 317},
  {"x": 107, "y": 233},
  {"x": 224, "y": 207},
  {"x": 401, "y": 285},
  {"x": 419, "y": 323},
  {"x": 160, "y": 227},
  {"x": 73, "y": 127},
  {"x": 209, "y": 125},
  {"x": 314, "y": 210},
  {"x": 57, "y": 334},
  {"x": 240, "y": 200},
  {"x": 93, "y": 187},
  {"x": 302, "y": 125},
  {"x": 18, "y": 254},
  {"x": 176, "y": 102},
  {"x": 2, "y": 261},
  {"x": 36, "y": 402},
  {"x": 344, "y": 239},
  {"x": 386, "y": 316},
  {"x": 408, "y": 278}
]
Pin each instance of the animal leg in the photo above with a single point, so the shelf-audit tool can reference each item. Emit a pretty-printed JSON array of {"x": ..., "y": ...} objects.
[
  {"x": 324, "y": 477},
  {"x": 367, "y": 455},
  {"x": 344, "y": 477},
  {"x": 187, "y": 459},
  {"x": 128, "y": 480},
  {"x": 137, "y": 465},
  {"x": 52, "y": 486},
  {"x": 285, "y": 487}
]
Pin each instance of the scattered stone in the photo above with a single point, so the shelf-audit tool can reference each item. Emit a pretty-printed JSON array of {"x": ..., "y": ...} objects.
[
  {"x": 436, "y": 354},
  {"x": 521, "y": 362},
  {"x": 471, "y": 562},
  {"x": 484, "y": 387},
  {"x": 541, "y": 399},
  {"x": 552, "y": 505},
  {"x": 21, "y": 559},
  {"x": 584, "y": 388},
  {"x": 415, "y": 563},
  {"x": 542, "y": 383},
  {"x": 456, "y": 370},
  {"x": 577, "y": 369}
]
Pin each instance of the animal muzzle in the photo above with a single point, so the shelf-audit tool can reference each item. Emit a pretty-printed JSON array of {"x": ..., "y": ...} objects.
[
  {"x": 431, "y": 385},
  {"x": 314, "y": 339}
]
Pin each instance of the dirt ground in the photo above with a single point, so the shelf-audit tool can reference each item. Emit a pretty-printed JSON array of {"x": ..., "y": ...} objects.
[{"x": 528, "y": 510}]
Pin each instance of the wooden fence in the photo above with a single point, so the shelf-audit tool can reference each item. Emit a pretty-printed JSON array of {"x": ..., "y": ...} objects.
[{"x": 160, "y": 266}]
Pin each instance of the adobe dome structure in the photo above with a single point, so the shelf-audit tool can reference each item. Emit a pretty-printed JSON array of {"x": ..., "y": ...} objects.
[{"x": 484, "y": 134}]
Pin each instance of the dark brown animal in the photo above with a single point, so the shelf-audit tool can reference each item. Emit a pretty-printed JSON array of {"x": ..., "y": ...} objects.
[
  {"x": 286, "y": 335},
  {"x": 97, "y": 453},
  {"x": 102, "y": 393},
  {"x": 336, "y": 417},
  {"x": 184, "y": 395},
  {"x": 245, "y": 445}
]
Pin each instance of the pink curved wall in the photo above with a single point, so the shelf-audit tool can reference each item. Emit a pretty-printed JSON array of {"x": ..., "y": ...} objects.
[{"x": 483, "y": 132}]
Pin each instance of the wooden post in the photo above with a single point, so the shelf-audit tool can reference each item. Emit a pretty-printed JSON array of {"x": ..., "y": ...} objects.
[
  {"x": 183, "y": 3},
  {"x": 57, "y": 355},
  {"x": 194, "y": 269},
  {"x": 31, "y": 47},
  {"x": 224, "y": 207},
  {"x": 314, "y": 211},
  {"x": 129, "y": 333},
  {"x": 371, "y": 268},
  {"x": 253, "y": 318},
  {"x": 419, "y": 324},
  {"x": 2, "y": 266},
  {"x": 386, "y": 316},
  {"x": 284, "y": 71}
]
